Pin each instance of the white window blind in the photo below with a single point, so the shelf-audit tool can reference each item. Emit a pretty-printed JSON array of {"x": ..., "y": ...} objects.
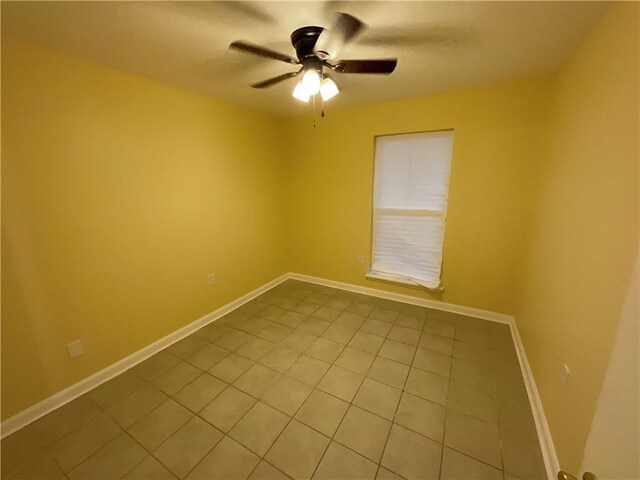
[{"x": 411, "y": 185}]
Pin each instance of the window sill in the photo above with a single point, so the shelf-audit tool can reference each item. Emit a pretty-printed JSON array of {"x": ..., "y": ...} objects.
[{"x": 405, "y": 281}]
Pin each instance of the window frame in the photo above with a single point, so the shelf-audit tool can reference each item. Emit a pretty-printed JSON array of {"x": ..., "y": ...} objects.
[{"x": 397, "y": 278}]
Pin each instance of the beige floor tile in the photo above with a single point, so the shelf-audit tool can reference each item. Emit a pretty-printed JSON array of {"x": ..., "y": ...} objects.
[
  {"x": 265, "y": 471},
  {"x": 207, "y": 357},
  {"x": 299, "y": 341},
  {"x": 322, "y": 412},
  {"x": 314, "y": 326},
  {"x": 442, "y": 316},
  {"x": 388, "y": 372},
  {"x": 271, "y": 313},
  {"x": 200, "y": 392},
  {"x": 339, "y": 333},
  {"x": 227, "y": 408},
  {"x": 473, "y": 334},
  {"x": 78, "y": 445},
  {"x": 473, "y": 374},
  {"x": 363, "y": 432},
  {"x": 421, "y": 416},
  {"x": 233, "y": 339},
  {"x": 187, "y": 346},
  {"x": 340, "y": 383},
  {"x": 58, "y": 423},
  {"x": 325, "y": 350},
  {"x": 397, "y": 351},
  {"x": 212, "y": 331},
  {"x": 227, "y": 461},
  {"x": 389, "y": 304},
  {"x": 298, "y": 450},
  {"x": 437, "y": 327},
  {"x": 259, "y": 428},
  {"x": 156, "y": 365},
  {"x": 253, "y": 307},
  {"x": 275, "y": 333},
  {"x": 410, "y": 320},
  {"x": 280, "y": 358},
  {"x": 176, "y": 378},
  {"x": 41, "y": 467},
  {"x": 378, "y": 398},
  {"x": 384, "y": 474},
  {"x": 308, "y": 370},
  {"x": 355, "y": 360},
  {"x": 112, "y": 461},
  {"x": 521, "y": 456},
  {"x": 257, "y": 380},
  {"x": 327, "y": 313},
  {"x": 285, "y": 302},
  {"x": 161, "y": 423},
  {"x": 305, "y": 307},
  {"x": 292, "y": 319},
  {"x": 341, "y": 463},
  {"x": 137, "y": 405},
  {"x": 185, "y": 448},
  {"x": 472, "y": 352},
  {"x": 253, "y": 325},
  {"x": 339, "y": 303},
  {"x": 412, "y": 455},
  {"x": 473, "y": 437},
  {"x": 376, "y": 327},
  {"x": 351, "y": 319},
  {"x": 233, "y": 318},
  {"x": 231, "y": 367},
  {"x": 111, "y": 392},
  {"x": 150, "y": 469},
  {"x": 432, "y": 362},
  {"x": 472, "y": 401},
  {"x": 287, "y": 394},
  {"x": 19, "y": 448},
  {"x": 406, "y": 335},
  {"x": 436, "y": 343},
  {"x": 384, "y": 314},
  {"x": 456, "y": 466},
  {"x": 362, "y": 309},
  {"x": 366, "y": 342},
  {"x": 318, "y": 298},
  {"x": 428, "y": 386}
]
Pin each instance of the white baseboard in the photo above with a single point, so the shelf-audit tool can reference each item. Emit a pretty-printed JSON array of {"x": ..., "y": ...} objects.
[
  {"x": 398, "y": 297},
  {"x": 544, "y": 435},
  {"x": 63, "y": 397},
  {"x": 59, "y": 399}
]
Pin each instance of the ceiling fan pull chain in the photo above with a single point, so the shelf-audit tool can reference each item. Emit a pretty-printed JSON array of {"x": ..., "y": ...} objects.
[
  {"x": 322, "y": 107},
  {"x": 314, "y": 111}
]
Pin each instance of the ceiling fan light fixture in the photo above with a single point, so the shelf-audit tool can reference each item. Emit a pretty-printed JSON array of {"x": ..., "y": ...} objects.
[
  {"x": 311, "y": 82},
  {"x": 328, "y": 89},
  {"x": 300, "y": 93}
]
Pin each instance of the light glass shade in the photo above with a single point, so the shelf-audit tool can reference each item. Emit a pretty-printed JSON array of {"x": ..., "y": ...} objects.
[
  {"x": 311, "y": 82},
  {"x": 328, "y": 89},
  {"x": 300, "y": 93}
]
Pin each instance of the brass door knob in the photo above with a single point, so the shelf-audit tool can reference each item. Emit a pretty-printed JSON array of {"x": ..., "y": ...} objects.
[{"x": 562, "y": 475}]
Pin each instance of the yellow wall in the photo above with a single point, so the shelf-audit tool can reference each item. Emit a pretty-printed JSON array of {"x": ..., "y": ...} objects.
[
  {"x": 498, "y": 146},
  {"x": 585, "y": 234},
  {"x": 119, "y": 196}
]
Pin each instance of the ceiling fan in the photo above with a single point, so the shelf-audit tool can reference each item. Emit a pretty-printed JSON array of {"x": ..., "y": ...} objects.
[{"x": 317, "y": 49}]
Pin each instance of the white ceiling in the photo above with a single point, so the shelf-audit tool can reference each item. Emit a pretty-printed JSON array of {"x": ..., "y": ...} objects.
[{"x": 440, "y": 46}]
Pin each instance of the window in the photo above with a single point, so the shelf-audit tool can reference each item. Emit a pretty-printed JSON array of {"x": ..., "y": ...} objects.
[{"x": 411, "y": 186}]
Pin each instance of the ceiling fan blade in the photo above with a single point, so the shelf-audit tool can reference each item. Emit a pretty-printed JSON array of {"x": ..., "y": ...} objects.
[
  {"x": 331, "y": 41},
  {"x": 272, "y": 81},
  {"x": 384, "y": 67},
  {"x": 261, "y": 51}
]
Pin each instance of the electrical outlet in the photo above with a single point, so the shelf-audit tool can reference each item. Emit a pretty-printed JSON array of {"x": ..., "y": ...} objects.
[
  {"x": 360, "y": 258},
  {"x": 211, "y": 278},
  {"x": 75, "y": 349},
  {"x": 565, "y": 375}
]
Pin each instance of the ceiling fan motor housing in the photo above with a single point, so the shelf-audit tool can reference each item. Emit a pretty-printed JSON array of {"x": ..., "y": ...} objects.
[{"x": 304, "y": 39}]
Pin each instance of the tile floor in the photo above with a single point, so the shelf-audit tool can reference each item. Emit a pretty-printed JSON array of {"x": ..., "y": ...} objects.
[{"x": 305, "y": 381}]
